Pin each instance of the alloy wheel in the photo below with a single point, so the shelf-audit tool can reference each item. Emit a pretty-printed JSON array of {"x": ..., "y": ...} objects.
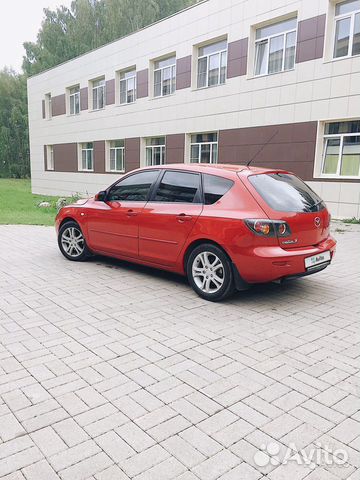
[
  {"x": 72, "y": 242},
  {"x": 208, "y": 272}
]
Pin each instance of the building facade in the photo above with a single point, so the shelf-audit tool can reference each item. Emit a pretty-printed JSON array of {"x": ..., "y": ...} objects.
[{"x": 227, "y": 81}]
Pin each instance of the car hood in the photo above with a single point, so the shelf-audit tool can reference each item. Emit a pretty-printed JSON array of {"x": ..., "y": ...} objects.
[{"x": 82, "y": 201}]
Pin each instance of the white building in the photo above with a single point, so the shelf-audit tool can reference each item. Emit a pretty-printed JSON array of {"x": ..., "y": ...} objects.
[{"x": 217, "y": 82}]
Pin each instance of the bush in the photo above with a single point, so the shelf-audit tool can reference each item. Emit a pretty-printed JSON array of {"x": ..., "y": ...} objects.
[
  {"x": 352, "y": 220},
  {"x": 63, "y": 201}
]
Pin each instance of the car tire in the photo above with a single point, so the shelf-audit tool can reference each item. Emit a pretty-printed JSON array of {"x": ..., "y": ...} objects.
[
  {"x": 210, "y": 273},
  {"x": 72, "y": 242}
]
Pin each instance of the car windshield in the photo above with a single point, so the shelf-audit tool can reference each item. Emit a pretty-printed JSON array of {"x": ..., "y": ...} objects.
[{"x": 286, "y": 193}]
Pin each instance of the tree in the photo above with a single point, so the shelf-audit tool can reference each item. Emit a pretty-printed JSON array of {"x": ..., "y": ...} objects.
[
  {"x": 14, "y": 141},
  {"x": 66, "y": 33}
]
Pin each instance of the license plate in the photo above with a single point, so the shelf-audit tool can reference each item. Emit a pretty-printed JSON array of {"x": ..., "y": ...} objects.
[{"x": 317, "y": 259}]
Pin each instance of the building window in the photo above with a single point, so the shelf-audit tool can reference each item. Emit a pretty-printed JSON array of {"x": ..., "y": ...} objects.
[
  {"x": 342, "y": 149},
  {"x": 275, "y": 47},
  {"x": 50, "y": 164},
  {"x": 98, "y": 94},
  {"x": 48, "y": 106},
  {"x": 116, "y": 156},
  {"x": 155, "y": 151},
  {"x": 204, "y": 148},
  {"x": 127, "y": 86},
  {"x": 212, "y": 64},
  {"x": 164, "y": 76},
  {"x": 86, "y": 157},
  {"x": 347, "y": 29},
  {"x": 74, "y": 100}
]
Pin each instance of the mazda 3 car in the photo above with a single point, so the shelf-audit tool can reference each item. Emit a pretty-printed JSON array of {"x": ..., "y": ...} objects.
[{"x": 223, "y": 226}]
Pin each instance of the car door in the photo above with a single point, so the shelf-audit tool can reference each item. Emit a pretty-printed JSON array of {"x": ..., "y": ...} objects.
[
  {"x": 169, "y": 216},
  {"x": 114, "y": 228}
]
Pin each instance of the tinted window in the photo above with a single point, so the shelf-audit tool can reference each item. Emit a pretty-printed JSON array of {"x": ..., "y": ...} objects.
[
  {"x": 215, "y": 187},
  {"x": 286, "y": 193},
  {"x": 134, "y": 188},
  {"x": 178, "y": 187}
]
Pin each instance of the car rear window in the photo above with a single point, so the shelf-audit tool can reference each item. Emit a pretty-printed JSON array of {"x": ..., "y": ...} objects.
[
  {"x": 215, "y": 188},
  {"x": 286, "y": 193}
]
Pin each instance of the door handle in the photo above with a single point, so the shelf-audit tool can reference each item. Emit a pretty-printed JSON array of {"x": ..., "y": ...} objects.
[
  {"x": 131, "y": 213},
  {"x": 182, "y": 217}
]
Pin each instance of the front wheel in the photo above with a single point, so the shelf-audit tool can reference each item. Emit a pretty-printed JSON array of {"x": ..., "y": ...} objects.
[
  {"x": 209, "y": 272},
  {"x": 72, "y": 243}
]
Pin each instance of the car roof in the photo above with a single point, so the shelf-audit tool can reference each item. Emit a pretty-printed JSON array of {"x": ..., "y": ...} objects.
[{"x": 216, "y": 169}]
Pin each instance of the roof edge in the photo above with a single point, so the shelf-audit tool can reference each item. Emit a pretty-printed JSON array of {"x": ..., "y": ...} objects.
[{"x": 200, "y": 2}]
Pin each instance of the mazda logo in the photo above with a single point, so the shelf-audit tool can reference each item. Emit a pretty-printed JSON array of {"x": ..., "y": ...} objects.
[{"x": 317, "y": 222}]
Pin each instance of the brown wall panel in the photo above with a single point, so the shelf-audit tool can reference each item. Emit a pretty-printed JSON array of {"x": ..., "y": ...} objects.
[
  {"x": 99, "y": 156},
  {"x": 65, "y": 157},
  {"x": 291, "y": 148},
  {"x": 175, "y": 148},
  {"x": 183, "y": 72},
  {"x": 132, "y": 153},
  {"x": 237, "y": 58},
  {"x": 58, "y": 105},
  {"x": 110, "y": 91},
  {"x": 84, "y": 98},
  {"x": 310, "y": 40},
  {"x": 142, "y": 86}
]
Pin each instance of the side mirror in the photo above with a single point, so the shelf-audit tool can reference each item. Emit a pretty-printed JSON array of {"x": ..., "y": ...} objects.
[{"x": 100, "y": 197}]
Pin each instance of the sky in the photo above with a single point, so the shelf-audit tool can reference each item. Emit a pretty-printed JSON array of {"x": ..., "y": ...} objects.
[{"x": 19, "y": 22}]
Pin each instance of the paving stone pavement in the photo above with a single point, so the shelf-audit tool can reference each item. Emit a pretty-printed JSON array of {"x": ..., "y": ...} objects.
[{"x": 110, "y": 371}]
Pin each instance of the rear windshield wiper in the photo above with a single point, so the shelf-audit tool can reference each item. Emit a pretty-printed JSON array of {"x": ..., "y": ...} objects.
[{"x": 316, "y": 204}]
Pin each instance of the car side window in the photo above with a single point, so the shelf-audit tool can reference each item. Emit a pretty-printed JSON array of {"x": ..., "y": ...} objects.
[
  {"x": 178, "y": 187},
  {"x": 215, "y": 188},
  {"x": 134, "y": 188}
]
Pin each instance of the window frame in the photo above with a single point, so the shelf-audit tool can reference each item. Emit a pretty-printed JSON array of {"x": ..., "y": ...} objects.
[
  {"x": 50, "y": 165},
  {"x": 205, "y": 143},
  {"x": 125, "y": 80},
  {"x": 87, "y": 150},
  {"x": 48, "y": 106},
  {"x": 268, "y": 39},
  {"x": 198, "y": 198},
  {"x": 340, "y": 136},
  {"x": 152, "y": 147},
  {"x": 337, "y": 18},
  {"x": 108, "y": 161},
  {"x": 97, "y": 88},
  {"x": 72, "y": 96},
  {"x": 132, "y": 174},
  {"x": 219, "y": 54},
  {"x": 203, "y": 187},
  {"x": 161, "y": 70}
]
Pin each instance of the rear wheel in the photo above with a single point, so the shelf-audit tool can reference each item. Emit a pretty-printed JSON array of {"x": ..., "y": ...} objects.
[
  {"x": 72, "y": 243},
  {"x": 209, "y": 272}
]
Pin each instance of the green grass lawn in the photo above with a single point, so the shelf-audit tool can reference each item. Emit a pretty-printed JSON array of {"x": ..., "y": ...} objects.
[{"x": 19, "y": 206}]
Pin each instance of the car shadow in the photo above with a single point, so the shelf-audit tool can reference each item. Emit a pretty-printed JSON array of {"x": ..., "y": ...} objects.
[
  {"x": 114, "y": 263},
  {"x": 255, "y": 293}
]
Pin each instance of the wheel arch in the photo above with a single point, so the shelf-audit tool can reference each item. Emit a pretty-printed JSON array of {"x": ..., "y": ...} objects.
[
  {"x": 68, "y": 219},
  {"x": 240, "y": 283},
  {"x": 198, "y": 242}
]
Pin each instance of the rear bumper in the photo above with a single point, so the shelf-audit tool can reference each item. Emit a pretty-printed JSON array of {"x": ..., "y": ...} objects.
[{"x": 266, "y": 264}]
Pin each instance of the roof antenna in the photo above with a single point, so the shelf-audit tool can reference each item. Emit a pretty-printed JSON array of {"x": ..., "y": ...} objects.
[{"x": 262, "y": 148}]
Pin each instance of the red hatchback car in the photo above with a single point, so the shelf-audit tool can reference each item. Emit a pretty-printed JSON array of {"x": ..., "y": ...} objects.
[{"x": 223, "y": 226}]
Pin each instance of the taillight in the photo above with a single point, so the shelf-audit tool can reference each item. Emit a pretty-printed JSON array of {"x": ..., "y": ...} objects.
[
  {"x": 268, "y": 228},
  {"x": 282, "y": 229}
]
